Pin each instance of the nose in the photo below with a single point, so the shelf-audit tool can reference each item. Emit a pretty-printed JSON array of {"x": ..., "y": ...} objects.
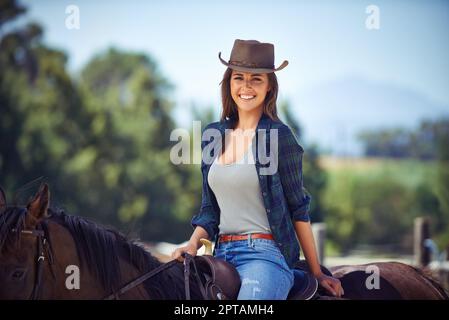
[{"x": 248, "y": 83}]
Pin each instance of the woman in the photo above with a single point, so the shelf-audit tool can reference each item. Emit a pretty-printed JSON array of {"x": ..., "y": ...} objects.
[{"x": 254, "y": 209}]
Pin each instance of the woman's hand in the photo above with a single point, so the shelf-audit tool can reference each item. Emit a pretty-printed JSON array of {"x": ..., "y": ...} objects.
[
  {"x": 190, "y": 248},
  {"x": 331, "y": 284}
]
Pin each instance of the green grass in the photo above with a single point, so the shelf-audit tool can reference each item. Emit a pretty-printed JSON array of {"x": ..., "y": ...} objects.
[
  {"x": 365, "y": 197},
  {"x": 409, "y": 173}
]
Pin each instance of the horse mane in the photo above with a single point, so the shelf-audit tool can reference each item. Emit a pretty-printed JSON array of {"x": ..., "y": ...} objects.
[
  {"x": 99, "y": 249},
  {"x": 427, "y": 275},
  {"x": 11, "y": 219}
]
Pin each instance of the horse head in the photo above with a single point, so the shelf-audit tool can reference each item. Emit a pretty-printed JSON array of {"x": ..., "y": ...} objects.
[
  {"x": 47, "y": 254},
  {"x": 22, "y": 241}
]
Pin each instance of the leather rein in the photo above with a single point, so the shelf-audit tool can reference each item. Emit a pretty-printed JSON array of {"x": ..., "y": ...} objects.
[{"x": 188, "y": 259}]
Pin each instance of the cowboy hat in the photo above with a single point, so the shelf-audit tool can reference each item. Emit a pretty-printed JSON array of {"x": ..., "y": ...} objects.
[{"x": 252, "y": 56}]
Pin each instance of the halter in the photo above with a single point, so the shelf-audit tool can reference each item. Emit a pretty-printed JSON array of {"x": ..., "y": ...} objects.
[{"x": 41, "y": 243}]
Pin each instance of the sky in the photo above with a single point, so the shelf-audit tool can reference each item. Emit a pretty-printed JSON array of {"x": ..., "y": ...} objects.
[{"x": 342, "y": 77}]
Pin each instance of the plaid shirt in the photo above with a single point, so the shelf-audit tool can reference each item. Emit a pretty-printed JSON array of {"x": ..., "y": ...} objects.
[{"x": 284, "y": 196}]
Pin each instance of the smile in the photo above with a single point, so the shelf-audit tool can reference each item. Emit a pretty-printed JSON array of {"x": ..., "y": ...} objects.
[{"x": 246, "y": 97}]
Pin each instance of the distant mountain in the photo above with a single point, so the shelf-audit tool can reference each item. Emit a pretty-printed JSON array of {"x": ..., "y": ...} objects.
[{"x": 333, "y": 114}]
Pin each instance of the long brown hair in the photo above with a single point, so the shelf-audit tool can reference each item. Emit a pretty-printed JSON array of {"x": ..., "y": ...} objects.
[{"x": 230, "y": 108}]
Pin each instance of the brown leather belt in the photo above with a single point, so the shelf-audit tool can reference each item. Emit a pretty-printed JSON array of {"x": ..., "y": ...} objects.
[{"x": 237, "y": 237}]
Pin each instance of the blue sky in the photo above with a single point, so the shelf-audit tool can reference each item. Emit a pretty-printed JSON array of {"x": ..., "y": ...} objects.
[{"x": 330, "y": 50}]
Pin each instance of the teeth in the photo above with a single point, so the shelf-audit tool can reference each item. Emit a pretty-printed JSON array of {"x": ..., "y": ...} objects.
[{"x": 246, "y": 97}]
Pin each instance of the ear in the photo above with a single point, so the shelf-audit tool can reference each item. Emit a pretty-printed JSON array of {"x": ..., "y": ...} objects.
[
  {"x": 38, "y": 206},
  {"x": 2, "y": 199}
]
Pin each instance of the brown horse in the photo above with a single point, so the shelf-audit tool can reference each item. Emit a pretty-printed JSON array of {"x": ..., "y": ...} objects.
[
  {"x": 42, "y": 251},
  {"x": 47, "y": 254}
]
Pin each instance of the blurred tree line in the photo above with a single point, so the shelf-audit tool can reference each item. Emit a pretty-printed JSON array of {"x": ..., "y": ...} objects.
[
  {"x": 101, "y": 139},
  {"x": 425, "y": 143}
]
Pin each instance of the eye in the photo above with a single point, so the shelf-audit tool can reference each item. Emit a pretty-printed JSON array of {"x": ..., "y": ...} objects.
[
  {"x": 238, "y": 78},
  {"x": 18, "y": 274}
]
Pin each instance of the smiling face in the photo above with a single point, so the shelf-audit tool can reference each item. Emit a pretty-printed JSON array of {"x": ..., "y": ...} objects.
[{"x": 248, "y": 90}]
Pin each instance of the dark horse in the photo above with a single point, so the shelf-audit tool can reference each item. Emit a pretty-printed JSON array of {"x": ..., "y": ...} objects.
[{"x": 42, "y": 250}]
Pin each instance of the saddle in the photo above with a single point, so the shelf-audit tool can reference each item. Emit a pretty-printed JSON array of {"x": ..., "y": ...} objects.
[
  {"x": 305, "y": 285},
  {"x": 219, "y": 280}
]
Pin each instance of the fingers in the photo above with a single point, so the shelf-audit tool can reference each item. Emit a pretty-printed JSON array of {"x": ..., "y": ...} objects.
[
  {"x": 338, "y": 289},
  {"x": 333, "y": 286},
  {"x": 177, "y": 254},
  {"x": 329, "y": 288}
]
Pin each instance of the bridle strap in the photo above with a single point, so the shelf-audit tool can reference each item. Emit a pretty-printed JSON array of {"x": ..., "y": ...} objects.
[
  {"x": 188, "y": 259},
  {"x": 41, "y": 241},
  {"x": 187, "y": 276},
  {"x": 39, "y": 263}
]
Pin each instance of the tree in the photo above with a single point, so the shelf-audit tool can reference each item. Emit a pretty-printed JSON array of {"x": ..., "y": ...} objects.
[
  {"x": 101, "y": 141},
  {"x": 442, "y": 182},
  {"x": 128, "y": 168},
  {"x": 36, "y": 97}
]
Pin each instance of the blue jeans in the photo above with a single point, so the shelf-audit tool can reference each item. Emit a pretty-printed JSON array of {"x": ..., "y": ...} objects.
[{"x": 263, "y": 271}]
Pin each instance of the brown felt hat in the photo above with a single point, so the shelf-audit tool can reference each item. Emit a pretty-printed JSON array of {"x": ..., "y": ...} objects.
[{"x": 252, "y": 56}]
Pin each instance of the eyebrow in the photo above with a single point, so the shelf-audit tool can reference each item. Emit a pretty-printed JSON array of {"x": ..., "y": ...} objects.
[{"x": 253, "y": 75}]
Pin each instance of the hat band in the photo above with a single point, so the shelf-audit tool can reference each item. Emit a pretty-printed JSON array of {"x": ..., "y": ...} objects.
[{"x": 248, "y": 64}]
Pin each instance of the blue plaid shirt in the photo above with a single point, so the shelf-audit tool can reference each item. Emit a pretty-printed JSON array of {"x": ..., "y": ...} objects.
[{"x": 284, "y": 196}]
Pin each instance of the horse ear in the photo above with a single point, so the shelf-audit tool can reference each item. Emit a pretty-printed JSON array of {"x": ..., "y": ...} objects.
[
  {"x": 38, "y": 206},
  {"x": 2, "y": 199}
]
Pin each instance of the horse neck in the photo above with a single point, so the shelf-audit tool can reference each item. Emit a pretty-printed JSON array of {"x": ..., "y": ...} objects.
[{"x": 67, "y": 268}]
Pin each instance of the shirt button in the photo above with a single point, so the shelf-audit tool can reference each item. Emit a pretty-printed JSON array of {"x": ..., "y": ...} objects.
[
  {"x": 268, "y": 210},
  {"x": 264, "y": 194}
]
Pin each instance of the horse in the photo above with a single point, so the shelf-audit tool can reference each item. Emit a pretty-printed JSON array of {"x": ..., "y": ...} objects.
[
  {"x": 42, "y": 247},
  {"x": 48, "y": 254}
]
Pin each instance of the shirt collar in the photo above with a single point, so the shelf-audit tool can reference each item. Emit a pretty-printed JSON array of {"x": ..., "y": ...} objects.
[{"x": 263, "y": 123}]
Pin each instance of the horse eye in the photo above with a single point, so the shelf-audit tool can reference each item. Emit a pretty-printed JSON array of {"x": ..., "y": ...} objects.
[{"x": 18, "y": 274}]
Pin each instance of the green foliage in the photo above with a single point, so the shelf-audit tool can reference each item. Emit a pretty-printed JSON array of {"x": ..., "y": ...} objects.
[
  {"x": 375, "y": 203},
  {"x": 101, "y": 141}
]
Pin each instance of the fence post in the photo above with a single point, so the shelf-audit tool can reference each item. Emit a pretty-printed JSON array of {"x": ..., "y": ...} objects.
[
  {"x": 319, "y": 233},
  {"x": 422, "y": 254}
]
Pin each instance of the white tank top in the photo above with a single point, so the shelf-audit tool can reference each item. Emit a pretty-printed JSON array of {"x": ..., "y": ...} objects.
[{"x": 237, "y": 190}]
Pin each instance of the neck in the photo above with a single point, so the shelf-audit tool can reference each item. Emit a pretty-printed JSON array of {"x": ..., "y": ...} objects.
[{"x": 248, "y": 120}]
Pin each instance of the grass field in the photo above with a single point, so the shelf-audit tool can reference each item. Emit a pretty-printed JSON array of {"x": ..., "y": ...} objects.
[
  {"x": 371, "y": 201},
  {"x": 408, "y": 172}
]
